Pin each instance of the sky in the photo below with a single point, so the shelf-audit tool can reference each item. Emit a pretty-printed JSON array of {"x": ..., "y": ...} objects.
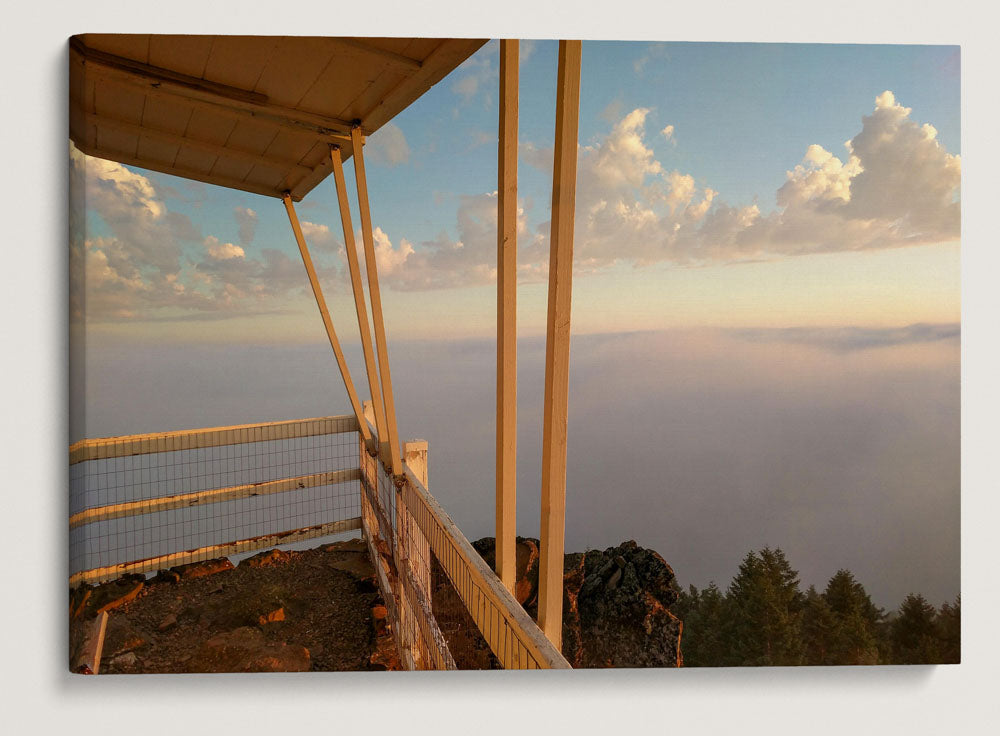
[
  {"x": 765, "y": 314},
  {"x": 719, "y": 184}
]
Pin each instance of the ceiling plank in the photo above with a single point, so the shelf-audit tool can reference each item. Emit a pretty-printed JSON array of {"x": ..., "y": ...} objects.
[
  {"x": 201, "y": 92},
  {"x": 209, "y": 148}
]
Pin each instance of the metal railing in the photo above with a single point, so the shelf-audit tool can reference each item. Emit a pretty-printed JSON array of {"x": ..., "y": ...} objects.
[{"x": 142, "y": 503}]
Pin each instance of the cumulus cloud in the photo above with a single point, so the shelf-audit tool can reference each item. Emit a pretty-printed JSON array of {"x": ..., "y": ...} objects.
[
  {"x": 220, "y": 251},
  {"x": 444, "y": 262},
  {"x": 246, "y": 219},
  {"x": 388, "y": 146},
  {"x": 317, "y": 234},
  {"x": 130, "y": 207},
  {"x": 389, "y": 259},
  {"x": 149, "y": 262}
]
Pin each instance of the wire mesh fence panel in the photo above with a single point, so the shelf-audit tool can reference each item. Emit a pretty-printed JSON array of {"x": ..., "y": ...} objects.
[
  {"x": 402, "y": 559},
  {"x": 189, "y": 493}
]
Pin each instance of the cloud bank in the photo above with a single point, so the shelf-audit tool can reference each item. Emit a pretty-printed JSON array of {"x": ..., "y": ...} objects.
[
  {"x": 895, "y": 185},
  {"x": 152, "y": 261}
]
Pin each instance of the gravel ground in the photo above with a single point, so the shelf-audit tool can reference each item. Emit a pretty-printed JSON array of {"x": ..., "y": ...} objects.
[{"x": 276, "y": 611}]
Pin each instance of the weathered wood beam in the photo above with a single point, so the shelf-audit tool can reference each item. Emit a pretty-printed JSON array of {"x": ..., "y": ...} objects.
[
  {"x": 159, "y": 74},
  {"x": 331, "y": 334},
  {"x": 87, "y": 659},
  {"x": 556, "y": 404},
  {"x": 506, "y": 439},
  {"x": 192, "y": 439},
  {"x": 215, "y": 495}
]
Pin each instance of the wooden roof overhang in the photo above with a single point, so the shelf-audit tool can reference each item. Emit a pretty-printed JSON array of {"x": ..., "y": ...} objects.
[{"x": 255, "y": 113}]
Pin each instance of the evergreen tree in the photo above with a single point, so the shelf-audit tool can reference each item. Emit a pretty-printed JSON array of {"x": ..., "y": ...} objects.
[
  {"x": 765, "y": 606},
  {"x": 819, "y": 629},
  {"x": 857, "y": 619},
  {"x": 949, "y": 625},
  {"x": 703, "y": 615},
  {"x": 914, "y": 633}
]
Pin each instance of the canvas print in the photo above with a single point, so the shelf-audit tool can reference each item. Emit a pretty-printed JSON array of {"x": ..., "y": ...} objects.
[{"x": 430, "y": 353}]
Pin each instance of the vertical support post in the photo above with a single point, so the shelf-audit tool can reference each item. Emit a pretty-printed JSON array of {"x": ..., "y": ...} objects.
[
  {"x": 418, "y": 549},
  {"x": 359, "y": 297},
  {"x": 392, "y": 435},
  {"x": 506, "y": 450},
  {"x": 325, "y": 313},
  {"x": 556, "y": 405}
]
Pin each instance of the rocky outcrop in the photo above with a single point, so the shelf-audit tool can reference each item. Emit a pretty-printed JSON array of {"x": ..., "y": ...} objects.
[{"x": 616, "y": 603}]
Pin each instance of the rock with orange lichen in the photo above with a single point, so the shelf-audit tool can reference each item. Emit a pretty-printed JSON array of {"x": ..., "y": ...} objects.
[
  {"x": 201, "y": 569},
  {"x": 270, "y": 558},
  {"x": 616, "y": 604}
]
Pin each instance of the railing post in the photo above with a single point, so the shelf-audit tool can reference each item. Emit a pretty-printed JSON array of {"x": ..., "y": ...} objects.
[{"x": 415, "y": 455}]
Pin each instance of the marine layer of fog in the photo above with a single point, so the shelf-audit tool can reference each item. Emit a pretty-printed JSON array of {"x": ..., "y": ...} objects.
[{"x": 841, "y": 446}]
